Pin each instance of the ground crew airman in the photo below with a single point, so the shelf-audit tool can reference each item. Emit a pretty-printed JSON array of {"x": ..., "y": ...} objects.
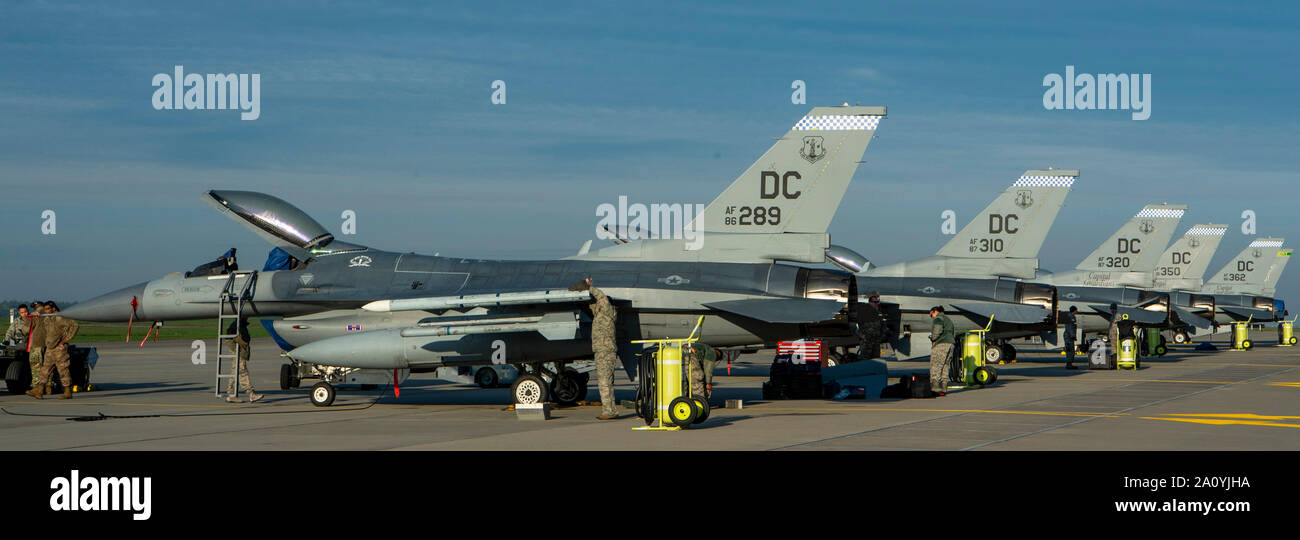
[
  {"x": 36, "y": 344},
  {"x": 1071, "y": 334},
  {"x": 58, "y": 331},
  {"x": 603, "y": 346},
  {"x": 1112, "y": 333},
  {"x": 17, "y": 333},
  {"x": 704, "y": 359},
  {"x": 239, "y": 348},
  {"x": 872, "y": 327},
  {"x": 943, "y": 337}
]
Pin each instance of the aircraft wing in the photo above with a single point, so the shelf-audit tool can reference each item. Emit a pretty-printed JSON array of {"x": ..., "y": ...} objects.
[
  {"x": 1005, "y": 313},
  {"x": 1193, "y": 319},
  {"x": 1140, "y": 316},
  {"x": 781, "y": 310}
]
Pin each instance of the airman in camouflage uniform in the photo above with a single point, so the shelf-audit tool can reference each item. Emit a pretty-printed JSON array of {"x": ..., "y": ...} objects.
[
  {"x": 703, "y": 359},
  {"x": 943, "y": 338},
  {"x": 17, "y": 333},
  {"x": 871, "y": 327},
  {"x": 239, "y": 348},
  {"x": 1112, "y": 333},
  {"x": 36, "y": 344},
  {"x": 603, "y": 347},
  {"x": 58, "y": 331}
]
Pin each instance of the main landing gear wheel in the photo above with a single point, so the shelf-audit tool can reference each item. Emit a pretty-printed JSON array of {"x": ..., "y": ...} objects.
[
  {"x": 683, "y": 411},
  {"x": 18, "y": 377},
  {"x": 322, "y": 394},
  {"x": 702, "y": 405},
  {"x": 1181, "y": 338},
  {"x": 993, "y": 355},
  {"x": 486, "y": 377},
  {"x": 286, "y": 376},
  {"x": 529, "y": 389},
  {"x": 1010, "y": 353},
  {"x": 569, "y": 388}
]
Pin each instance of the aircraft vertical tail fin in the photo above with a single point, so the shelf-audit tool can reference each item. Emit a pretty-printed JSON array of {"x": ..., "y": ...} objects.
[
  {"x": 1275, "y": 271},
  {"x": 1249, "y": 271},
  {"x": 1183, "y": 265},
  {"x": 1136, "y": 246},
  {"x": 1016, "y": 223},
  {"x": 797, "y": 185}
]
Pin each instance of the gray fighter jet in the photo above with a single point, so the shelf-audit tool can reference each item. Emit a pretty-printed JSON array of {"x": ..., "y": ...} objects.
[
  {"x": 1244, "y": 288},
  {"x": 1179, "y": 274},
  {"x": 1120, "y": 272},
  {"x": 353, "y": 313},
  {"x": 974, "y": 275}
]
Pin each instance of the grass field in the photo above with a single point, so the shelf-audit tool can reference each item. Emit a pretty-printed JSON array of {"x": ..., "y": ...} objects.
[{"x": 191, "y": 330}]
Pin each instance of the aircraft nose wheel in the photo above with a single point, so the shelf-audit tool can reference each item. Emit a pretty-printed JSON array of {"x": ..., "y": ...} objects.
[
  {"x": 486, "y": 377},
  {"x": 322, "y": 394},
  {"x": 529, "y": 389},
  {"x": 993, "y": 355}
]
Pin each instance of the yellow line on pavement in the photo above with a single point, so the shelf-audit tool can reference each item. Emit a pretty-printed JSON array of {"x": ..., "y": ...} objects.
[
  {"x": 1248, "y": 416},
  {"x": 982, "y": 411},
  {"x": 1215, "y": 422}
]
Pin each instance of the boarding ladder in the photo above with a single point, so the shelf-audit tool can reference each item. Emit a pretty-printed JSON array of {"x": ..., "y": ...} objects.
[{"x": 237, "y": 292}]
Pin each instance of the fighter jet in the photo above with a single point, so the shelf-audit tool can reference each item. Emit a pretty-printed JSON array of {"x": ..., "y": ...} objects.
[
  {"x": 1179, "y": 274},
  {"x": 973, "y": 275},
  {"x": 1120, "y": 272},
  {"x": 353, "y": 313},
  {"x": 1244, "y": 288}
]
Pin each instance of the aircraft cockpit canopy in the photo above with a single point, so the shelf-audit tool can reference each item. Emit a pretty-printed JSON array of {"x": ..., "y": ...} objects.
[{"x": 275, "y": 217}]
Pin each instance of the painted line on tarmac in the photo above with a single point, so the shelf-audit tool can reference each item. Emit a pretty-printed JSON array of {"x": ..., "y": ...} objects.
[
  {"x": 1224, "y": 422},
  {"x": 253, "y": 407},
  {"x": 1157, "y": 402},
  {"x": 977, "y": 411},
  {"x": 1246, "y": 416},
  {"x": 937, "y": 418}
]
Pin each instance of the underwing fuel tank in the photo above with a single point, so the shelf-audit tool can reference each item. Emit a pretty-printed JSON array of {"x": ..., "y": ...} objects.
[{"x": 463, "y": 342}]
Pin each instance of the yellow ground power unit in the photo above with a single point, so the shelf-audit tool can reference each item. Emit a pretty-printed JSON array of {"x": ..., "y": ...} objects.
[
  {"x": 1241, "y": 335},
  {"x": 1286, "y": 333},
  {"x": 1128, "y": 354},
  {"x": 664, "y": 397},
  {"x": 974, "y": 372}
]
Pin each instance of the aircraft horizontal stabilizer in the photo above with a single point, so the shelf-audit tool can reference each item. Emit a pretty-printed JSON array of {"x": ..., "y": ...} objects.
[
  {"x": 476, "y": 300},
  {"x": 1242, "y": 313},
  {"x": 1140, "y": 316},
  {"x": 1191, "y": 318},
  {"x": 1006, "y": 313},
  {"x": 781, "y": 310}
]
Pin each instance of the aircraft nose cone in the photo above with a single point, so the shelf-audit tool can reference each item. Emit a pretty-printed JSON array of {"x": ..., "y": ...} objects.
[{"x": 111, "y": 307}]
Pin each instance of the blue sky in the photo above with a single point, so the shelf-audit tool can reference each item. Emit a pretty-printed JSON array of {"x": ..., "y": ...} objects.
[{"x": 385, "y": 109}]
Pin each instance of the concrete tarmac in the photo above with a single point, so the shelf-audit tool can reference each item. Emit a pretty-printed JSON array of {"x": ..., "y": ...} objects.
[{"x": 156, "y": 399}]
